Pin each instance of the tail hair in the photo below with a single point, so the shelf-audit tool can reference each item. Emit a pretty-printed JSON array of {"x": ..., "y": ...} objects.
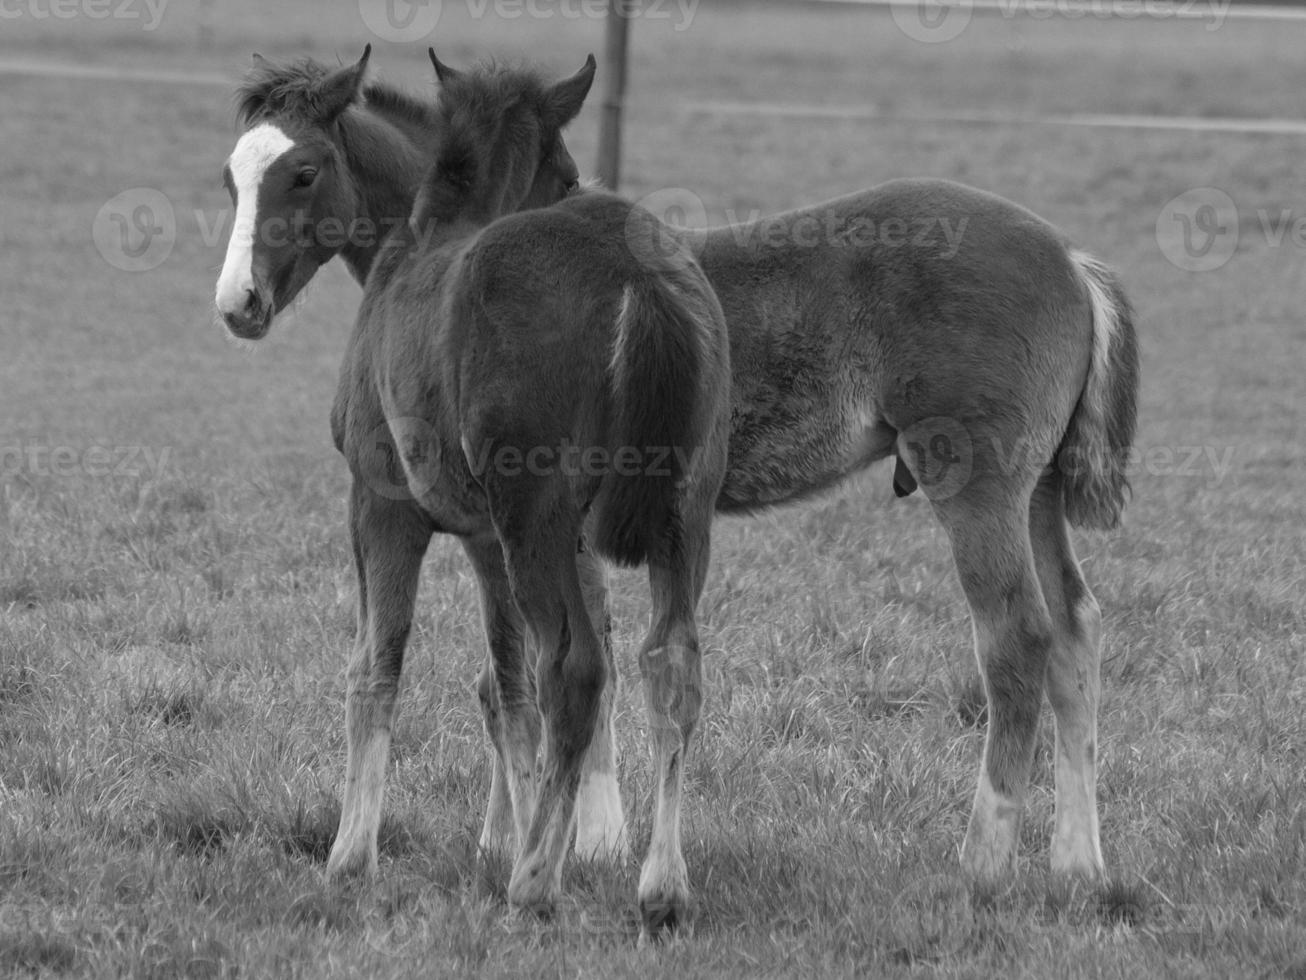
[
  {"x": 1094, "y": 454},
  {"x": 664, "y": 327}
]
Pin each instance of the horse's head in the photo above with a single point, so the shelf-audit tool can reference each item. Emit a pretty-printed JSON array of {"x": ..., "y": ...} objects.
[
  {"x": 500, "y": 146},
  {"x": 289, "y": 182}
]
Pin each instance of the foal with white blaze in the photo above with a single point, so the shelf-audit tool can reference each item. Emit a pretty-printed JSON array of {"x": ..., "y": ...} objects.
[
  {"x": 328, "y": 165},
  {"x": 496, "y": 326}
]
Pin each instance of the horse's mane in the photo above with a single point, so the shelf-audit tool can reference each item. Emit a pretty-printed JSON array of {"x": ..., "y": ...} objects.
[
  {"x": 293, "y": 89},
  {"x": 490, "y": 88},
  {"x": 481, "y": 98}
]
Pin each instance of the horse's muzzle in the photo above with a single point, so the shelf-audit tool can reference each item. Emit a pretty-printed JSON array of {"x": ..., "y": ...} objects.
[{"x": 252, "y": 321}]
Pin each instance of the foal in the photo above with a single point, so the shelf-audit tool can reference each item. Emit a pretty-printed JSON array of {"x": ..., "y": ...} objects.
[{"x": 526, "y": 371}]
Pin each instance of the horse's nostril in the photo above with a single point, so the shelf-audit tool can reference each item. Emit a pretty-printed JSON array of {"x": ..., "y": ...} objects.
[{"x": 251, "y": 302}]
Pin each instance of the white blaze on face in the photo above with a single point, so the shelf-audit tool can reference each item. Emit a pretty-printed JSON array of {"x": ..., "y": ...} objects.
[{"x": 254, "y": 153}]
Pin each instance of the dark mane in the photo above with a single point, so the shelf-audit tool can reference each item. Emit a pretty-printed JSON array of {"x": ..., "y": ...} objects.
[
  {"x": 487, "y": 116},
  {"x": 270, "y": 89},
  {"x": 390, "y": 101},
  {"x": 489, "y": 89},
  {"x": 293, "y": 89}
]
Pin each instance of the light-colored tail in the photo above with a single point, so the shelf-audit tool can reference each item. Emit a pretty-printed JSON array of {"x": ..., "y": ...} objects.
[{"x": 1094, "y": 452}]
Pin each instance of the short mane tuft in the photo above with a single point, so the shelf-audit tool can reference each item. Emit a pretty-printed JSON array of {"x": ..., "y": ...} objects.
[
  {"x": 271, "y": 90},
  {"x": 492, "y": 88}
]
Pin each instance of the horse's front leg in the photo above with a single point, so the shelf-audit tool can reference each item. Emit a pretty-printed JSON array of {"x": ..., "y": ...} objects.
[
  {"x": 673, "y": 688},
  {"x": 600, "y": 817},
  {"x": 540, "y": 548},
  {"x": 506, "y": 688},
  {"x": 389, "y": 538}
]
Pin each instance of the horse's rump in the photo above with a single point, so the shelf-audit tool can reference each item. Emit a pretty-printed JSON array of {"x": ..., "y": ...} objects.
[{"x": 574, "y": 349}]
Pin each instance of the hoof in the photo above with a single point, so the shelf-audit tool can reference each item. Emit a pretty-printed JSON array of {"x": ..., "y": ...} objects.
[
  {"x": 1079, "y": 867},
  {"x": 540, "y": 911},
  {"x": 348, "y": 867},
  {"x": 659, "y": 919},
  {"x": 531, "y": 891}
]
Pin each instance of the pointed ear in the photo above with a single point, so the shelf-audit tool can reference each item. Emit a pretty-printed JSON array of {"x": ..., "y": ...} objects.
[
  {"x": 339, "y": 90},
  {"x": 443, "y": 72},
  {"x": 260, "y": 61},
  {"x": 564, "y": 100}
]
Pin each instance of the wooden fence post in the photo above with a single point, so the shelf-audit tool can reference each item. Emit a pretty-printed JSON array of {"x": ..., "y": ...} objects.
[{"x": 616, "y": 44}]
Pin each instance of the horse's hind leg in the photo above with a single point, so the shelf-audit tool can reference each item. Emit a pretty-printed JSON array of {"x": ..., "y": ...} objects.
[
  {"x": 1073, "y": 683},
  {"x": 673, "y": 687},
  {"x": 600, "y": 817},
  {"x": 540, "y": 550},
  {"x": 989, "y": 529},
  {"x": 507, "y": 694},
  {"x": 389, "y": 538}
]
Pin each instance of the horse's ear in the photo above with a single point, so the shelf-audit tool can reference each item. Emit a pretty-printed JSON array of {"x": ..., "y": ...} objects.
[
  {"x": 260, "y": 61},
  {"x": 564, "y": 100},
  {"x": 443, "y": 72},
  {"x": 339, "y": 90}
]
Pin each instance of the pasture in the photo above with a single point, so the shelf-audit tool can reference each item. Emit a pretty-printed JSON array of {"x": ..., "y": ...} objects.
[{"x": 176, "y": 592}]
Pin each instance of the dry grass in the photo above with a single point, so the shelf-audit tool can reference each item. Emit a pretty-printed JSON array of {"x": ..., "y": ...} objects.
[{"x": 172, "y": 640}]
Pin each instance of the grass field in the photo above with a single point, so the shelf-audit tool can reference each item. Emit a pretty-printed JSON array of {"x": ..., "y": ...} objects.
[{"x": 176, "y": 600}]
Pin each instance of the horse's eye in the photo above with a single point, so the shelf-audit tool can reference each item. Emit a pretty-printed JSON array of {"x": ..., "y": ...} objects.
[{"x": 305, "y": 177}]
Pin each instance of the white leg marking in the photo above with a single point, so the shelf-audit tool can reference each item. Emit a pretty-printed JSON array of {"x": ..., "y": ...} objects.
[
  {"x": 1076, "y": 845},
  {"x": 254, "y": 153},
  {"x": 355, "y": 846},
  {"x": 993, "y": 833},
  {"x": 498, "y": 835},
  {"x": 601, "y": 819},
  {"x": 1076, "y": 842}
]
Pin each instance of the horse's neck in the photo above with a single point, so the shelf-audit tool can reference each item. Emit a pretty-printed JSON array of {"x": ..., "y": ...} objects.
[{"x": 385, "y": 163}]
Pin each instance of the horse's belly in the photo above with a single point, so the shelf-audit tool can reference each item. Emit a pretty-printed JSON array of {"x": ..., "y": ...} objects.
[{"x": 774, "y": 460}]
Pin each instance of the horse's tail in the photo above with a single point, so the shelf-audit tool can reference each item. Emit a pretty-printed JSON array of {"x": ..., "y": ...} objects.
[
  {"x": 663, "y": 345},
  {"x": 1093, "y": 456}
]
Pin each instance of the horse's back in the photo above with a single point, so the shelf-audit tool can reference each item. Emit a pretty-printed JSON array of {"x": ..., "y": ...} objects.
[{"x": 860, "y": 318}]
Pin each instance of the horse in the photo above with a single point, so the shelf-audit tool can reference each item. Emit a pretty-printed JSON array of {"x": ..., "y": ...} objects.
[
  {"x": 325, "y": 166},
  {"x": 529, "y": 374},
  {"x": 971, "y": 340}
]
